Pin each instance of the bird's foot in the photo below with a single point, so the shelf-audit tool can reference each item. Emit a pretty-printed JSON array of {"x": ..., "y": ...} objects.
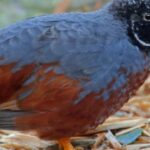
[{"x": 66, "y": 144}]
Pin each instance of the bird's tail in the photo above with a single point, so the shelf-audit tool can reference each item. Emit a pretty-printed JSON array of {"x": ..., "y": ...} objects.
[{"x": 8, "y": 119}]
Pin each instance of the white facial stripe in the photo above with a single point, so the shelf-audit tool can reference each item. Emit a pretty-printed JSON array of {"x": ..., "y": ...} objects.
[
  {"x": 140, "y": 41},
  {"x": 137, "y": 37}
]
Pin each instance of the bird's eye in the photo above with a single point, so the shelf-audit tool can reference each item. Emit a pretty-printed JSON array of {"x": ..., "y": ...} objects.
[{"x": 146, "y": 17}]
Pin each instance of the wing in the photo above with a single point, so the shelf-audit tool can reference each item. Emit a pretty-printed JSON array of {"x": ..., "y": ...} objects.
[
  {"x": 64, "y": 45},
  {"x": 41, "y": 66}
]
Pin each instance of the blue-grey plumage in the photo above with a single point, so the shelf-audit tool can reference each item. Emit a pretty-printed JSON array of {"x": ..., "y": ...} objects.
[
  {"x": 69, "y": 63},
  {"x": 78, "y": 40}
]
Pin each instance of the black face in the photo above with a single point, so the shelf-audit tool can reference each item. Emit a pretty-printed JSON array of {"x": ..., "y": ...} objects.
[
  {"x": 137, "y": 15},
  {"x": 139, "y": 27}
]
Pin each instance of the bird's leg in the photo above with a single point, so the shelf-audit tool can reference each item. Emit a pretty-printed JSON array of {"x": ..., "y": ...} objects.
[{"x": 66, "y": 144}]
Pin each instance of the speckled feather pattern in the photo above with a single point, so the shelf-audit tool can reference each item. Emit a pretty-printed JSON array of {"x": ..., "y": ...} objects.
[{"x": 57, "y": 68}]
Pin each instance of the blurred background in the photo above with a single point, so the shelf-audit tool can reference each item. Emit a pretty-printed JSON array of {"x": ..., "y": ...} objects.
[{"x": 13, "y": 10}]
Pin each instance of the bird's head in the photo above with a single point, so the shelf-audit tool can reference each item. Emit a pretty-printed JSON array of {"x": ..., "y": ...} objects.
[{"x": 136, "y": 13}]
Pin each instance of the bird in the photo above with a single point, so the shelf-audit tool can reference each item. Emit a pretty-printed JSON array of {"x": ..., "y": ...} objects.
[{"x": 63, "y": 74}]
